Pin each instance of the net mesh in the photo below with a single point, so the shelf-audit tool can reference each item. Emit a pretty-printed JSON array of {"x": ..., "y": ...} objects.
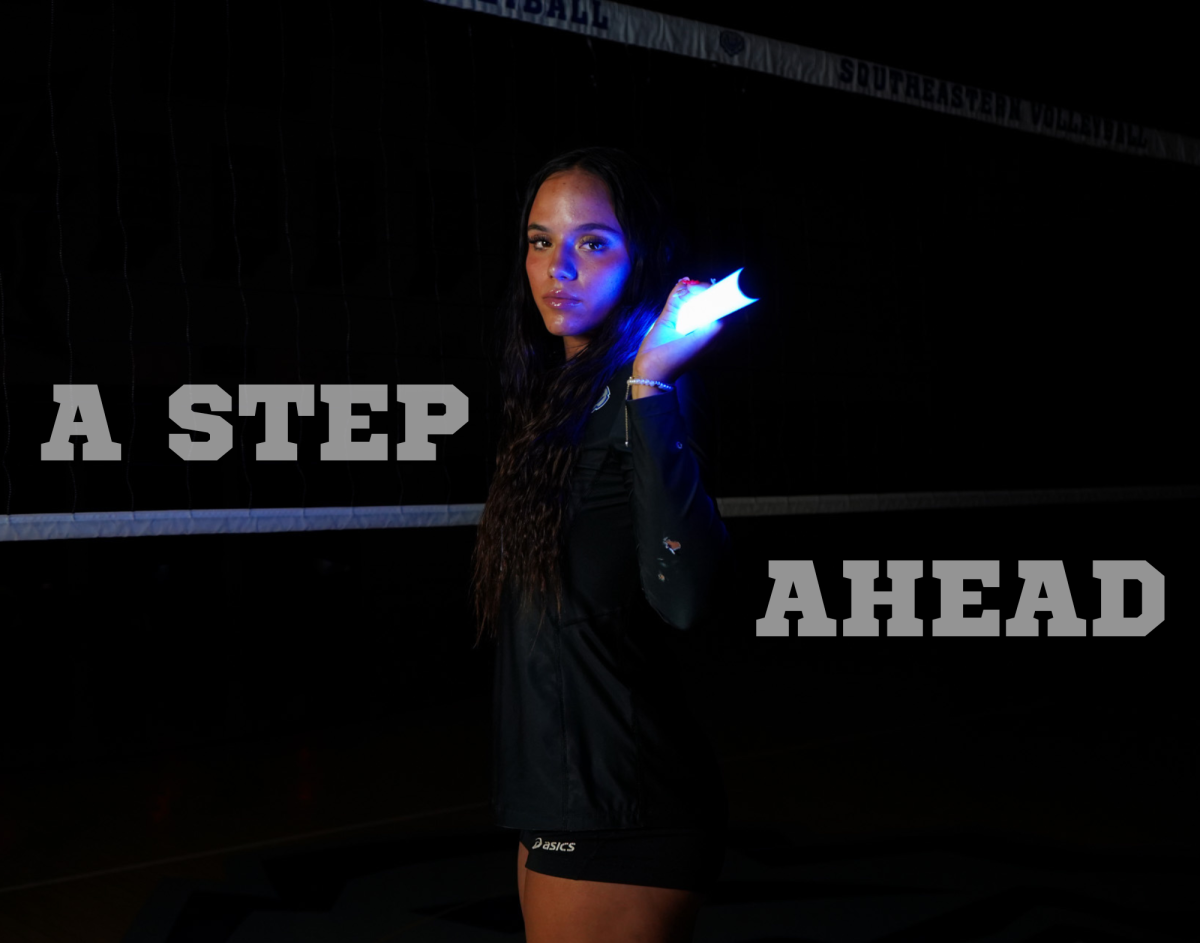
[{"x": 214, "y": 195}]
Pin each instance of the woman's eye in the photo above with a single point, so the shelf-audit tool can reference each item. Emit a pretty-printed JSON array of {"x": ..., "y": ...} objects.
[{"x": 595, "y": 244}]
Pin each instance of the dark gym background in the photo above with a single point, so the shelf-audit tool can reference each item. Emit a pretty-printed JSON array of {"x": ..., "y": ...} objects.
[{"x": 947, "y": 306}]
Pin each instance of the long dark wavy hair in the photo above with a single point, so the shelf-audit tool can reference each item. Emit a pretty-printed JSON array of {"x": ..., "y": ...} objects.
[{"x": 547, "y": 398}]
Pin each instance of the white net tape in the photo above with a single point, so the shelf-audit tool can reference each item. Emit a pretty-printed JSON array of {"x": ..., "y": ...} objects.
[{"x": 276, "y": 520}]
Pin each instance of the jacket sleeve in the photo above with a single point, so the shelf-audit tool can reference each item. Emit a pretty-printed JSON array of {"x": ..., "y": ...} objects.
[{"x": 682, "y": 541}]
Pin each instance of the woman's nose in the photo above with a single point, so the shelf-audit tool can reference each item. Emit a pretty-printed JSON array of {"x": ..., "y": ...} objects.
[{"x": 561, "y": 267}]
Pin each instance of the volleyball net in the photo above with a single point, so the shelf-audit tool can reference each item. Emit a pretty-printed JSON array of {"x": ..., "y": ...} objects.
[{"x": 205, "y": 197}]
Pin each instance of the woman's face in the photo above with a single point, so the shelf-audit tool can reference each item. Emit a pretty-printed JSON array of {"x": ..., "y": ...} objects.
[{"x": 577, "y": 260}]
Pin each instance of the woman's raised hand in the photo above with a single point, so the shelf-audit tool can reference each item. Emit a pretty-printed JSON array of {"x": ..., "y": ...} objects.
[{"x": 665, "y": 353}]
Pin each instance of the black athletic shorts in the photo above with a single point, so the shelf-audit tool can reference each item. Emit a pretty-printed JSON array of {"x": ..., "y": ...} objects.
[{"x": 689, "y": 859}]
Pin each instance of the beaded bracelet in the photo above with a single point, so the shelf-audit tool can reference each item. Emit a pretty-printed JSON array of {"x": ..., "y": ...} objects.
[
  {"x": 665, "y": 387},
  {"x": 662, "y": 386}
]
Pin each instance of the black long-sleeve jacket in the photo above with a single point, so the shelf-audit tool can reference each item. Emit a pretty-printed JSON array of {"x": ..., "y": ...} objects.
[{"x": 590, "y": 727}]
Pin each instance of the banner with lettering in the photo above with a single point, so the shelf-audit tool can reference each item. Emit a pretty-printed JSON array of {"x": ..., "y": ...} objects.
[{"x": 638, "y": 27}]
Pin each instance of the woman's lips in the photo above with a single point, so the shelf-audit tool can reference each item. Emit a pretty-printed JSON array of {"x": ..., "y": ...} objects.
[{"x": 561, "y": 301}]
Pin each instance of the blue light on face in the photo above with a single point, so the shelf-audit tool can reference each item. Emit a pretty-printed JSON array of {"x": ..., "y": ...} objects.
[{"x": 725, "y": 297}]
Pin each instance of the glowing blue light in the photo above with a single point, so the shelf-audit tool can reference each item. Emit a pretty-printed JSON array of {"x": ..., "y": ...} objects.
[{"x": 725, "y": 297}]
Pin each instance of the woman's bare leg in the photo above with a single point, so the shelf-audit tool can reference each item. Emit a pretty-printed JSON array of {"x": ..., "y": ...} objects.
[
  {"x": 560, "y": 910},
  {"x": 522, "y": 854}
]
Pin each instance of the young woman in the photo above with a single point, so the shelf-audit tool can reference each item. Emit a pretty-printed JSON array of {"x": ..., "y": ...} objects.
[{"x": 597, "y": 550}]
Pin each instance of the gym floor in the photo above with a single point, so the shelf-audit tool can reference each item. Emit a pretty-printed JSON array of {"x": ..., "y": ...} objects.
[{"x": 1016, "y": 824}]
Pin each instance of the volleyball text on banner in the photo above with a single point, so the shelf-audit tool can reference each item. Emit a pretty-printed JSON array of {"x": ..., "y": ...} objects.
[{"x": 650, "y": 30}]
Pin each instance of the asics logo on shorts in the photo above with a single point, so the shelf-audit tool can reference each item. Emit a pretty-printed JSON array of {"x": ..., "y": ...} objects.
[{"x": 552, "y": 845}]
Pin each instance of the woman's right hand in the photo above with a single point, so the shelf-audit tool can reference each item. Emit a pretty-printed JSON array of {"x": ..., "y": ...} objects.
[{"x": 665, "y": 353}]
